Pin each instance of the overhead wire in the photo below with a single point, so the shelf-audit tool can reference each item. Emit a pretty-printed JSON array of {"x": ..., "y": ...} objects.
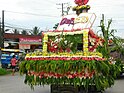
[
  {"x": 14, "y": 25},
  {"x": 27, "y": 13},
  {"x": 17, "y": 27},
  {"x": 50, "y": 1}
]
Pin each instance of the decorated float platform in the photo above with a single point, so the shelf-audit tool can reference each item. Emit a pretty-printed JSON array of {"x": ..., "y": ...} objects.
[{"x": 71, "y": 60}]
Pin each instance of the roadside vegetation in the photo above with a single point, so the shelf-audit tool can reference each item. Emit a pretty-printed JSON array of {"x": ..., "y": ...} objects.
[{"x": 4, "y": 72}]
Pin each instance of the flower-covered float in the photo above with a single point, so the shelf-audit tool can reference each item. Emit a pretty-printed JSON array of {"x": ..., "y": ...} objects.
[{"x": 71, "y": 55}]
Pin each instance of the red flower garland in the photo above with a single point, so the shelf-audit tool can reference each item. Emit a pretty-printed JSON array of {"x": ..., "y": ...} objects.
[
  {"x": 65, "y": 58},
  {"x": 82, "y": 74},
  {"x": 81, "y": 2},
  {"x": 97, "y": 40}
]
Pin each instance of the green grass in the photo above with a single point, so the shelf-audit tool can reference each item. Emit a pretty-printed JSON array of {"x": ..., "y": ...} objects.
[{"x": 4, "y": 72}]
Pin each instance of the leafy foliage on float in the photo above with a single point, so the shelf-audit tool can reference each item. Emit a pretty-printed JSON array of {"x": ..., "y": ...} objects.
[{"x": 100, "y": 73}]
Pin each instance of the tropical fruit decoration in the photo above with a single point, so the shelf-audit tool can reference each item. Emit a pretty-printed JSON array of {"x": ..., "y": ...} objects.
[{"x": 71, "y": 55}]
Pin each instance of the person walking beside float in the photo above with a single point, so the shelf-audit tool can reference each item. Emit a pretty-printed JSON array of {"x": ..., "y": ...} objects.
[{"x": 13, "y": 64}]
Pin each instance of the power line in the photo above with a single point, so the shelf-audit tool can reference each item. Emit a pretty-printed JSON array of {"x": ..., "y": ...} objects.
[
  {"x": 50, "y": 1},
  {"x": 42, "y": 9},
  {"x": 14, "y": 25},
  {"x": 26, "y": 13},
  {"x": 17, "y": 27}
]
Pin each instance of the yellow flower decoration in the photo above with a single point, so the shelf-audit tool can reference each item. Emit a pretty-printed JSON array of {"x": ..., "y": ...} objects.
[
  {"x": 85, "y": 41},
  {"x": 45, "y": 44}
]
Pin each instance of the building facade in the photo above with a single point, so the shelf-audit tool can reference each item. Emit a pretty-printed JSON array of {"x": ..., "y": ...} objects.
[{"x": 25, "y": 42}]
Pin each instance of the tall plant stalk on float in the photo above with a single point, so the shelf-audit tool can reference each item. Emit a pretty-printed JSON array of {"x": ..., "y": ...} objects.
[
  {"x": 108, "y": 36},
  {"x": 107, "y": 33},
  {"x": 111, "y": 43}
]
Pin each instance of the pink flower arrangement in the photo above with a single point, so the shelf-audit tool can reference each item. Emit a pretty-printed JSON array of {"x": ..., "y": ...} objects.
[
  {"x": 82, "y": 74},
  {"x": 64, "y": 58}
]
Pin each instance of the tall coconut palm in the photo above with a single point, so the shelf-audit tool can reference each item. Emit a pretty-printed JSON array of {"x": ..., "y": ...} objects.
[
  {"x": 16, "y": 31},
  {"x": 35, "y": 31},
  {"x": 24, "y": 32}
]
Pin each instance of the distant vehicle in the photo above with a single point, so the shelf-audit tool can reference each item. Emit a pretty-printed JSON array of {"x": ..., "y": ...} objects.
[
  {"x": 38, "y": 50},
  {"x": 7, "y": 55}
]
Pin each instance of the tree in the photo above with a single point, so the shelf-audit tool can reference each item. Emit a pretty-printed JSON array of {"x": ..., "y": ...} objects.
[
  {"x": 56, "y": 25},
  {"x": 15, "y": 31},
  {"x": 35, "y": 31},
  {"x": 24, "y": 32}
]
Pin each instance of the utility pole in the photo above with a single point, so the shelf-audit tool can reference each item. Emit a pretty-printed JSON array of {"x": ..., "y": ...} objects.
[
  {"x": 1, "y": 35},
  {"x": 0, "y": 42},
  {"x": 68, "y": 8},
  {"x": 2, "y": 30},
  {"x": 62, "y": 7},
  {"x": 62, "y": 10}
]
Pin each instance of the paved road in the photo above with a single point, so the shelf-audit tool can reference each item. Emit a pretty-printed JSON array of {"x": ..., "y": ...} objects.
[
  {"x": 118, "y": 86},
  {"x": 15, "y": 84}
]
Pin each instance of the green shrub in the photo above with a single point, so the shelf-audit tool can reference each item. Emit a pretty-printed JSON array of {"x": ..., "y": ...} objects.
[{"x": 3, "y": 71}]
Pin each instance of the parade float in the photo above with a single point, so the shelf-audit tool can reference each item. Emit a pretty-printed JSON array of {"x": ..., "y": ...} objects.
[{"x": 73, "y": 59}]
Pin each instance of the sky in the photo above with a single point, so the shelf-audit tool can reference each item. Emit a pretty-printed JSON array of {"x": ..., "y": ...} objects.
[{"x": 46, "y": 13}]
